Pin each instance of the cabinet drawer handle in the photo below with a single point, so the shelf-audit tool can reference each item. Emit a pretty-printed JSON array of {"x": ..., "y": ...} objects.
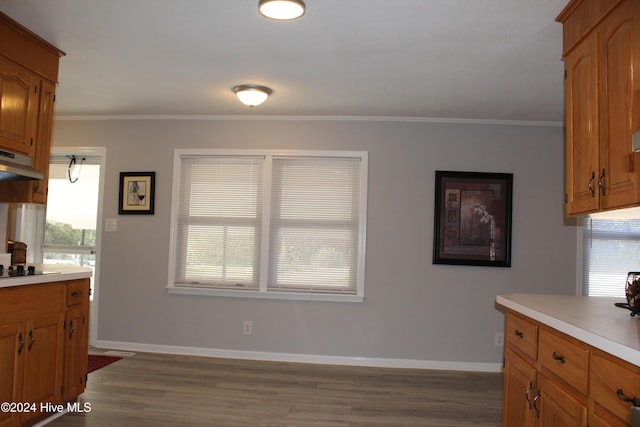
[
  {"x": 21, "y": 346},
  {"x": 76, "y": 293},
  {"x": 593, "y": 178},
  {"x": 526, "y": 395},
  {"x": 558, "y": 357},
  {"x": 601, "y": 184},
  {"x": 72, "y": 329},
  {"x": 519, "y": 334},
  {"x": 634, "y": 400},
  {"x": 535, "y": 406}
]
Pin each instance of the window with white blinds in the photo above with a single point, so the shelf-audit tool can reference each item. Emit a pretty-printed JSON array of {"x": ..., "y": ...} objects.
[
  {"x": 217, "y": 225},
  {"x": 282, "y": 224},
  {"x": 611, "y": 249}
]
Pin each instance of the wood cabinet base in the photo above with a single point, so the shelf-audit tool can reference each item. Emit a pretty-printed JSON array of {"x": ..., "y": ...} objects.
[
  {"x": 43, "y": 348},
  {"x": 552, "y": 379}
]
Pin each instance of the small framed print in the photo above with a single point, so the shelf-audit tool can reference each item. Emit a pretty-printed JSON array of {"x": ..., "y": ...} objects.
[
  {"x": 472, "y": 218},
  {"x": 137, "y": 193}
]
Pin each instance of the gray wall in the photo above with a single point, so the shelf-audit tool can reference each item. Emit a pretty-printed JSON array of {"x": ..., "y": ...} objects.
[{"x": 413, "y": 310}]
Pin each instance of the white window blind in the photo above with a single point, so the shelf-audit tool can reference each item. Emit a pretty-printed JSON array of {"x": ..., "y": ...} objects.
[
  {"x": 314, "y": 224},
  {"x": 273, "y": 223},
  {"x": 218, "y": 221},
  {"x": 611, "y": 250}
]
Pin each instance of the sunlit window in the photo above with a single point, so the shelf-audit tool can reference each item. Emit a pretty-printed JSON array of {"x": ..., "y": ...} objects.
[
  {"x": 611, "y": 250},
  {"x": 277, "y": 223}
]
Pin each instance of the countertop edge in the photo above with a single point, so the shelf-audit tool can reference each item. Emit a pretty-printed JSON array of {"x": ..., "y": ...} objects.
[
  {"x": 56, "y": 275},
  {"x": 603, "y": 343}
]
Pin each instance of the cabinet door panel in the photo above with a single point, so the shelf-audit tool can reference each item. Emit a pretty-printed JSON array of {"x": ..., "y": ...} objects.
[
  {"x": 519, "y": 390},
  {"x": 607, "y": 377},
  {"x": 617, "y": 98},
  {"x": 35, "y": 191},
  {"x": 582, "y": 128},
  {"x": 11, "y": 350},
  {"x": 44, "y": 344},
  {"x": 558, "y": 408},
  {"x": 43, "y": 141},
  {"x": 75, "y": 364},
  {"x": 603, "y": 419},
  {"x": 18, "y": 107}
]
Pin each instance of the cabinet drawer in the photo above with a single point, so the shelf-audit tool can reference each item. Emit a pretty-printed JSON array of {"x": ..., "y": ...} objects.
[
  {"x": 611, "y": 381},
  {"x": 522, "y": 334},
  {"x": 77, "y": 292},
  {"x": 564, "y": 358}
]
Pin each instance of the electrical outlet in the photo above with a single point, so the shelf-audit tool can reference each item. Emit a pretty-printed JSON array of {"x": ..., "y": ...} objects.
[
  {"x": 247, "y": 327},
  {"x": 499, "y": 339}
]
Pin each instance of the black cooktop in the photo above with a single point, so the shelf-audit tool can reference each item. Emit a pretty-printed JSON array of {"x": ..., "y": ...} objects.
[{"x": 19, "y": 271}]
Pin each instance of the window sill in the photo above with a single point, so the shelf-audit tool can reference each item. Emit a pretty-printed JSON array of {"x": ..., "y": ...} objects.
[{"x": 291, "y": 296}]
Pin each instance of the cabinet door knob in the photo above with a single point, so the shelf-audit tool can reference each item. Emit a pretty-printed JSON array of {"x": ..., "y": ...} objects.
[
  {"x": 535, "y": 405},
  {"x": 593, "y": 190},
  {"x": 526, "y": 395},
  {"x": 21, "y": 346},
  {"x": 32, "y": 340},
  {"x": 72, "y": 329},
  {"x": 601, "y": 183},
  {"x": 519, "y": 334}
]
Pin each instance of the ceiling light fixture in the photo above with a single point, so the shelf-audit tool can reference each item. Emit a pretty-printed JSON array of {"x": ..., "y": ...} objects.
[
  {"x": 281, "y": 9},
  {"x": 252, "y": 95}
]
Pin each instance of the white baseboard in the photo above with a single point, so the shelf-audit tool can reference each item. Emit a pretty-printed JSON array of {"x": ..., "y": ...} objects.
[{"x": 302, "y": 358}]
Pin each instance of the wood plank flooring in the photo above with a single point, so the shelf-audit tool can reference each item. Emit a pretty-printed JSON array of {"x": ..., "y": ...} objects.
[{"x": 168, "y": 390}]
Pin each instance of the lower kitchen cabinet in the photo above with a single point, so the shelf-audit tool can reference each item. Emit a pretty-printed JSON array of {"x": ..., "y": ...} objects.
[
  {"x": 76, "y": 336},
  {"x": 43, "y": 355},
  {"x": 519, "y": 391},
  {"x": 552, "y": 379},
  {"x": 615, "y": 386},
  {"x": 11, "y": 347},
  {"x": 556, "y": 406},
  {"x": 43, "y": 348}
]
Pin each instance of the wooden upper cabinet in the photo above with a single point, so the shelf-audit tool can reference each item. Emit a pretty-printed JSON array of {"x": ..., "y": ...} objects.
[
  {"x": 18, "y": 107},
  {"x": 617, "y": 110},
  {"x": 28, "y": 77},
  {"x": 600, "y": 47},
  {"x": 40, "y": 188},
  {"x": 582, "y": 128}
]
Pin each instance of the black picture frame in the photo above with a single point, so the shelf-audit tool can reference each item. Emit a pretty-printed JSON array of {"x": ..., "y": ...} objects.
[
  {"x": 472, "y": 218},
  {"x": 137, "y": 193}
]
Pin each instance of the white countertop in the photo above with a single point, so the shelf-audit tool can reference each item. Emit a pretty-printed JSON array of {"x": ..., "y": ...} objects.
[
  {"x": 54, "y": 273},
  {"x": 593, "y": 320}
]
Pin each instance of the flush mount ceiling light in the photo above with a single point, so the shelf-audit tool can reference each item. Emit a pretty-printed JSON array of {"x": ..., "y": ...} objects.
[
  {"x": 281, "y": 9},
  {"x": 252, "y": 95}
]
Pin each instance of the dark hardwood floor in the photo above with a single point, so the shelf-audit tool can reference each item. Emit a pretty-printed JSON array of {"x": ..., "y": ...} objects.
[{"x": 168, "y": 390}]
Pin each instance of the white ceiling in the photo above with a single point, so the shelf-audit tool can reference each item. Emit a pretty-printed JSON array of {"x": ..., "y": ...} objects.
[{"x": 448, "y": 59}]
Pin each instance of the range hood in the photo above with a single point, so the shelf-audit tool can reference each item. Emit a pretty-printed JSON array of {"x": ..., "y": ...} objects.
[{"x": 17, "y": 167}]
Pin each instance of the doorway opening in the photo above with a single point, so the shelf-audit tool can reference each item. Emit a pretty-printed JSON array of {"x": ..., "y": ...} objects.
[{"x": 71, "y": 227}]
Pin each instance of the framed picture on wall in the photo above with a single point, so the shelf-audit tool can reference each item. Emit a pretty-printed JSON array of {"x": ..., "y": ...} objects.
[
  {"x": 472, "y": 223},
  {"x": 136, "y": 195}
]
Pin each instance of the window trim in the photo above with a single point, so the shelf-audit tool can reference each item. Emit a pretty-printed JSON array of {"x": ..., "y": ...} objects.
[{"x": 263, "y": 292}]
